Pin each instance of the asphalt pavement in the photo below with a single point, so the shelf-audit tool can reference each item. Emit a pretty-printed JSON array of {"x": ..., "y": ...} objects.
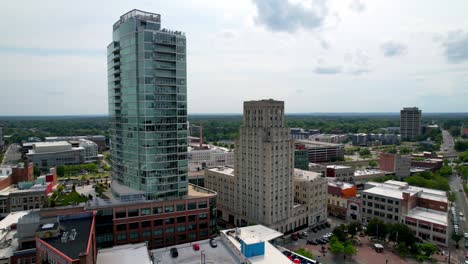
[{"x": 12, "y": 155}]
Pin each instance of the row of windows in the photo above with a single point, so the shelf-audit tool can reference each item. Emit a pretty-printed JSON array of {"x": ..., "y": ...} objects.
[{"x": 160, "y": 209}]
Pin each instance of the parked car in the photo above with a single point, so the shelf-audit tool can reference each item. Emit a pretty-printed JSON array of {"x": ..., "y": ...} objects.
[
  {"x": 327, "y": 224},
  {"x": 314, "y": 230},
  {"x": 213, "y": 243},
  {"x": 174, "y": 252},
  {"x": 311, "y": 242},
  {"x": 300, "y": 235},
  {"x": 294, "y": 236}
]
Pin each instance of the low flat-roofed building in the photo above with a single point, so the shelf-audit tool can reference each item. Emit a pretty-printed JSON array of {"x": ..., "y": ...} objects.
[
  {"x": 8, "y": 236},
  {"x": 424, "y": 210},
  {"x": 69, "y": 240},
  {"x": 100, "y": 140},
  {"x": 209, "y": 157},
  {"x": 338, "y": 195},
  {"x": 45, "y": 155},
  {"x": 223, "y": 180},
  {"x": 125, "y": 254},
  {"x": 341, "y": 173},
  {"x": 365, "y": 175}
]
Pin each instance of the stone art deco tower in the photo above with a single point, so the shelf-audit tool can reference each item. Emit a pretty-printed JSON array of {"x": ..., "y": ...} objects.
[{"x": 264, "y": 164}]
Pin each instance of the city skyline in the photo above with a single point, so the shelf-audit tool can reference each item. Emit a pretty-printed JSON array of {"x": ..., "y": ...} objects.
[{"x": 363, "y": 56}]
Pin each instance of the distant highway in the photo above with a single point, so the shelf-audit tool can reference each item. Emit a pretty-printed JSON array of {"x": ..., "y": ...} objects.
[
  {"x": 448, "y": 145},
  {"x": 12, "y": 155}
]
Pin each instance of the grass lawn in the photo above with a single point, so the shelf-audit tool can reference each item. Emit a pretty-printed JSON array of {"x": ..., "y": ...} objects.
[
  {"x": 87, "y": 176},
  {"x": 70, "y": 198}
]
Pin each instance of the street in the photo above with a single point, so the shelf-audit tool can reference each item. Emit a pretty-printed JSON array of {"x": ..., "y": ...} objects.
[
  {"x": 448, "y": 145},
  {"x": 12, "y": 155}
]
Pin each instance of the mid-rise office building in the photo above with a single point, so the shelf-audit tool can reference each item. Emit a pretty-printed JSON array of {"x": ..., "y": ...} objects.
[
  {"x": 148, "y": 108},
  {"x": 90, "y": 150},
  {"x": 322, "y": 151},
  {"x": 363, "y": 139},
  {"x": 310, "y": 189},
  {"x": 424, "y": 210},
  {"x": 410, "y": 123},
  {"x": 301, "y": 158}
]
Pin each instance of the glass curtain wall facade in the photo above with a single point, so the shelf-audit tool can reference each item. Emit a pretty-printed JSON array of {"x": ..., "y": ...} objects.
[{"x": 148, "y": 108}]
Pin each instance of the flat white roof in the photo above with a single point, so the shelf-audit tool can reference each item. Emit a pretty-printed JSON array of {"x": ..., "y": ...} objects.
[
  {"x": 223, "y": 170},
  {"x": 219, "y": 254},
  {"x": 396, "y": 188},
  {"x": 429, "y": 215},
  {"x": 125, "y": 254},
  {"x": 358, "y": 173},
  {"x": 257, "y": 233},
  {"x": 388, "y": 192},
  {"x": 337, "y": 167},
  {"x": 12, "y": 218},
  {"x": 307, "y": 175},
  {"x": 53, "y": 143}
]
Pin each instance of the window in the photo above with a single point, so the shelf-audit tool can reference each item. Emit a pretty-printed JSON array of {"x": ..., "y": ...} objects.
[
  {"x": 192, "y": 218},
  {"x": 121, "y": 236},
  {"x": 169, "y": 230},
  {"x": 169, "y": 208},
  {"x": 202, "y": 205},
  {"x": 132, "y": 226},
  {"x": 192, "y": 226},
  {"x": 181, "y": 219},
  {"x": 192, "y": 206},
  {"x": 158, "y": 232},
  {"x": 132, "y": 212},
  {"x": 122, "y": 227},
  {"x": 121, "y": 214},
  {"x": 180, "y": 207},
  {"x": 145, "y": 211},
  {"x": 146, "y": 224},
  {"x": 192, "y": 236},
  {"x": 134, "y": 235},
  {"x": 181, "y": 228},
  {"x": 158, "y": 222},
  {"x": 202, "y": 216},
  {"x": 203, "y": 225},
  {"x": 146, "y": 233},
  {"x": 169, "y": 221},
  {"x": 157, "y": 210}
]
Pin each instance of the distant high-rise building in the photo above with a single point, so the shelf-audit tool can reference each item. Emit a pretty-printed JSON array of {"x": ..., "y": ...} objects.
[
  {"x": 148, "y": 108},
  {"x": 410, "y": 123}
]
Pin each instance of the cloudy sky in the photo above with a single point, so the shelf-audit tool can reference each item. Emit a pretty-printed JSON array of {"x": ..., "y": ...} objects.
[{"x": 317, "y": 56}]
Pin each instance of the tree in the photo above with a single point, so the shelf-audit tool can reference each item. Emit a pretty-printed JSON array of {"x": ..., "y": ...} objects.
[
  {"x": 340, "y": 233},
  {"x": 61, "y": 171},
  {"x": 36, "y": 172},
  {"x": 354, "y": 228},
  {"x": 336, "y": 246},
  {"x": 377, "y": 228},
  {"x": 452, "y": 196},
  {"x": 402, "y": 249},
  {"x": 445, "y": 171},
  {"x": 373, "y": 163},
  {"x": 405, "y": 150},
  {"x": 364, "y": 152},
  {"x": 349, "y": 249},
  {"x": 427, "y": 249},
  {"x": 456, "y": 237},
  {"x": 399, "y": 233},
  {"x": 305, "y": 253}
]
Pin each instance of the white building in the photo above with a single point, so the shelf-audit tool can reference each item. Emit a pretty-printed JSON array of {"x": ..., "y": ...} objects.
[
  {"x": 90, "y": 150},
  {"x": 424, "y": 210},
  {"x": 210, "y": 157}
]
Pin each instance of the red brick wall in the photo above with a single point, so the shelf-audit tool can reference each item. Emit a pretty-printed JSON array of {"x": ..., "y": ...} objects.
[
  {"x": 387, "y": 162},
  {"x": 434, "y": 205},
  {"x": 6, "y": 182},
  {"x": 23, "y": 174}
]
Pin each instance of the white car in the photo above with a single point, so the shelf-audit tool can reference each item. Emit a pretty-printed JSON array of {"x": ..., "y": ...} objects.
[{"x": 460, "y": 214}]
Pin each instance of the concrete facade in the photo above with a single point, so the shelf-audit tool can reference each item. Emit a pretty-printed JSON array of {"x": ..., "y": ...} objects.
[
  {"x": 396, "y": 163},
  {"x": 424, "y": 210},
  {"x": 322, "y": 151},
  {"x": 45, "y": 155},
  {"x": 410, "y": 123},
  {"x": 341, "y": 173}
]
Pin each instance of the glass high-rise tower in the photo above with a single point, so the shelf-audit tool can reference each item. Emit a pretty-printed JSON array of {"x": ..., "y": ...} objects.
[{"x": 148, "y": 108}]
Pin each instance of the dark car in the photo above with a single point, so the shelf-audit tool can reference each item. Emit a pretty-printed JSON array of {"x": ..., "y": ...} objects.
[
  {"x": 321, "y": 241},
  {"x": 300, "y": 235},
  {"x": 314, "y": 230},
  {"x": 294, "y": 236},
  {"x": 325, "y": 239},
  {"x": 174, "y": 252},
  {"x": 213, "y": 243},
  {"x": 311, "y": 242},
  {"x": 327, "y": 224},
  {"x": 319, "y": 228}
]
